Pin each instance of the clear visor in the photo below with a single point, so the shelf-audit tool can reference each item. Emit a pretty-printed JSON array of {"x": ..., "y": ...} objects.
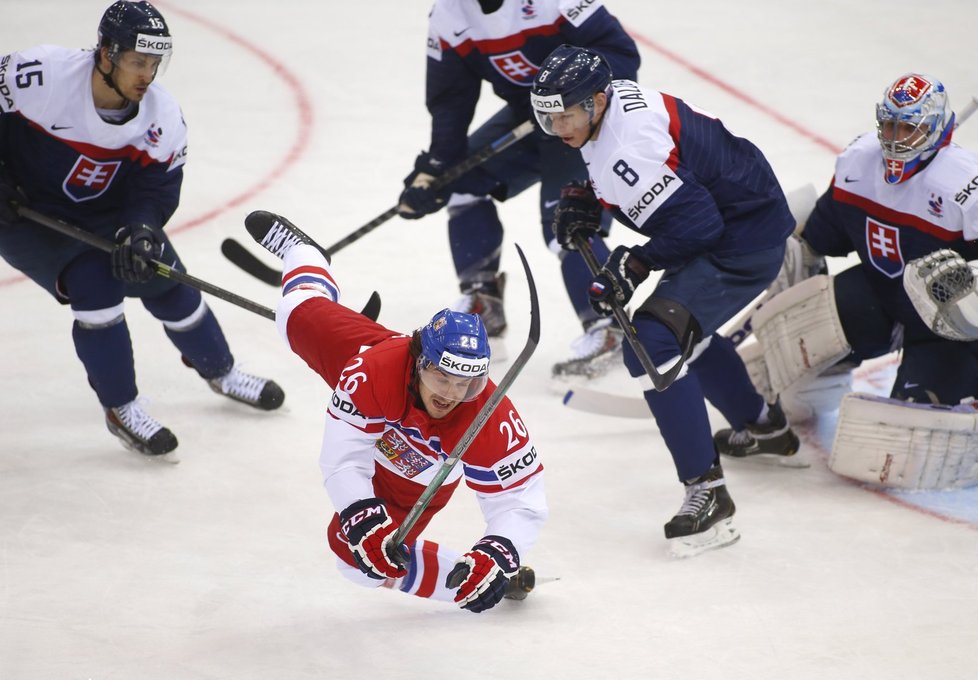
[
  {"x": 149, "y": 59},
  {"x": 565, "y": 122},
  {"x": 903, "y": 139},
  {"x": 447, "y": 386}
]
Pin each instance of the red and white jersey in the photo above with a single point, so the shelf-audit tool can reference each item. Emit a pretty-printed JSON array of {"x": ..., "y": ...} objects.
[{"x": 375, "y": 425}]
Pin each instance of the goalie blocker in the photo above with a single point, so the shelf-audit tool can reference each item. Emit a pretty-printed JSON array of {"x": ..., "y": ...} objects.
[{"x": 893, "y": 443}]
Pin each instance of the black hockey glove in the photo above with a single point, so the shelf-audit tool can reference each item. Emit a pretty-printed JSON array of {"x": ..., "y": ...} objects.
[
  {"x": 135, "y": 246},
  {"x": 418, "y": 198},
  {"x": 578, "y": 213},
  {"x": 617, "y": 280},
  {"x": 370, "y": 530},
  {"x": 481, "y": 575},
  {"x": 10, "y": 197}
]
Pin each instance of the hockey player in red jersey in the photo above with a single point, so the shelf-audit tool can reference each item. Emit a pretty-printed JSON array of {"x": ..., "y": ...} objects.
[
  {"x": 90, "y": 138},
  {"x": 400, "y": 405}
]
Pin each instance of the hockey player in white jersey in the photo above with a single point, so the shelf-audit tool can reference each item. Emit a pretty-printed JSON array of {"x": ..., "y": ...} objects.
[
  {"x": 503, "y": 43},
  {"x": 90, "y": 138},
  {"x": 716, "y": 220},
  {"x": 905, "y": 200}
]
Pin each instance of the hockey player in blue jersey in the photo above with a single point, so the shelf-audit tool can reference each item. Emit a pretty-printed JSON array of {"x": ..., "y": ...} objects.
[
  {"x": 88, "y": 137},
  {"x": 503, "y": 42},
  {"x": 716, "y": 221},
  {"x": 904, "y": 200}
]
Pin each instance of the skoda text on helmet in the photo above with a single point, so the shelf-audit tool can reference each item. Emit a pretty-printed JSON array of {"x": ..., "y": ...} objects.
[
  {"x": 569, "y": 76},
  {"x": 454, "y": 359},
  {"x": 913, "y": 121},
  {"x": 135, "y": 27}
]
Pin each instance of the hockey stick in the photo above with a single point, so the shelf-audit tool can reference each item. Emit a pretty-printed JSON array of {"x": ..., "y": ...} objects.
[
  {"x": 244, "y": 259},
  {"x": 372, "y": 308},
  {"x": 659, "y": 380},
  {"x": 477, "y": 423}
]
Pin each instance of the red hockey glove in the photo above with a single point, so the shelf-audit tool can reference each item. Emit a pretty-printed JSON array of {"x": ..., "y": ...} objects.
[
  {"x": 481, "y": 575},
  {"x": 370, "y": 530}
]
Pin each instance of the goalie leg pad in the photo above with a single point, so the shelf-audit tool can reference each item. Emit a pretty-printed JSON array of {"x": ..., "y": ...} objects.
[
  {"x": 899, "y": 444},
  {"x": 801, "y": 333}
]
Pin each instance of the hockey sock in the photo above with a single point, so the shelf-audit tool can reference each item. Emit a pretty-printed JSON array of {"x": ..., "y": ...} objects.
[
  {"x": 106, "y": 352},
  {"x": 726, "y": 383},
  {"x": 577, "y": 278},
  {"x": 430, "y": 564},
  {"x": 680, "y": 410},
  {"x": 193, "y": 329},
  {"x": 475, "y": 235}
]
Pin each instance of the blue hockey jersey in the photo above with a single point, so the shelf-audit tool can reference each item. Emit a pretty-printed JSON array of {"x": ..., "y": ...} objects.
[{"x": 506, "y": 48}]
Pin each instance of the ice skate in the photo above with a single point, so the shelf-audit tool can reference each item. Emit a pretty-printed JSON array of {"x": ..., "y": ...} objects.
[
  {"x": 594, "y": 353},
  {"x": 705, "y": 520},
  {"x": 485, "y": 298},
  {"x": 773, "y": 442},
  {"x": 521, "y": 584},
  {"x": 249, "y": 389},
  {"x": 275, "y": 233},
  {"x": 138, "y": 431}
]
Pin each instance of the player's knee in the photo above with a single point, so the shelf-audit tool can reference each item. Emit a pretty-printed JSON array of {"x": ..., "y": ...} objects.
[{"x": 93, "y": 319}]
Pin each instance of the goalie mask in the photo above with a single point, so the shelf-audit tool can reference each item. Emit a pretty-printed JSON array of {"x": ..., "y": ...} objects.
[
  {"x": 454, "y": 359},
  {"x": 136, "y": 36},
  {"x": 913, "y": 121}
]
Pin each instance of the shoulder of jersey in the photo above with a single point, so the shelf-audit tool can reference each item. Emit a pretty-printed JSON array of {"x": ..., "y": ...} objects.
[{"x": 457, "y": 21}]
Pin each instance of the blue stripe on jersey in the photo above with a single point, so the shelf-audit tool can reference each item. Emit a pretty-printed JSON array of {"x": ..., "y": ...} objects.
[
  {"x": 483, "y": 475},
  {"x": 314, "y": 280}
]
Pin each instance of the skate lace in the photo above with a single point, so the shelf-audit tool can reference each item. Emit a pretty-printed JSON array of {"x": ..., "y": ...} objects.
[
  {"x": 740, "y": 438},
  {"x": 137, "y": 421},
  {"x": 280, "y": 239},
  {"x": 240, "y": 384},
  {"x": 595, "y": 342},
  {"x": 697, "y": 496},
  {"x": 486, "y": 306}
]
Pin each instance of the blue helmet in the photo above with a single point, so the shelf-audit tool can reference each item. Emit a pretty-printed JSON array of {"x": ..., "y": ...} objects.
[
  {"x": 913, "y": 121},
  {"x": 456, "y": 343},
  {"x": 136, "y": 26},
  {"x": 569, "y": 76}
]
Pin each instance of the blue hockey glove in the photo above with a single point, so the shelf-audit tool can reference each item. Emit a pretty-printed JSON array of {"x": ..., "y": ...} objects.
[
  {"x": 370, "y": 530},
  {"x": 418, "y": 198},
  {"x": 135, "y": 246},
  {"x": 578, "y": 213},
  {"x": 617, "y": 280},
  {"x": 481, "y": 575}
]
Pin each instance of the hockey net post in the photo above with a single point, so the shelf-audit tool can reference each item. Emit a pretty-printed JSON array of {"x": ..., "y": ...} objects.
[{"x": 533, "y": 338}]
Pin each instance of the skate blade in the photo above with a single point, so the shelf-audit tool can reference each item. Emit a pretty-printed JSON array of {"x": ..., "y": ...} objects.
[
  {"x": 797, "y": 461},
  {"x": 720, "y": 535},
  {"x": 171, "y": 457}
]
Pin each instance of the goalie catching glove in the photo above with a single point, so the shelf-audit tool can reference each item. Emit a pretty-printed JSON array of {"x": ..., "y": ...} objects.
[
  {"x": 481, "y": 575},
  {"x": 370, "y": 530},
  {"x": 617, "y": 281},
  {"x": 941, "y": 287}
]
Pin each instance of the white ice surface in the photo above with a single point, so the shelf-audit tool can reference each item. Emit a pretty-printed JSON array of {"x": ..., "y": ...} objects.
[{"x": 112, "y": 566}]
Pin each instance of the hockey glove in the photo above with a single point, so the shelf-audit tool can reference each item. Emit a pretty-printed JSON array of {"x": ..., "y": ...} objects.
[
  {"x": 481, "y": 575},
  {"x": 135, "y": 246},
  {"x": 369, "y": 530},
  {"x": 578, "y": 213},
  {"x": 418, "y": 198},
  {"x": 617, "y": 281}
]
